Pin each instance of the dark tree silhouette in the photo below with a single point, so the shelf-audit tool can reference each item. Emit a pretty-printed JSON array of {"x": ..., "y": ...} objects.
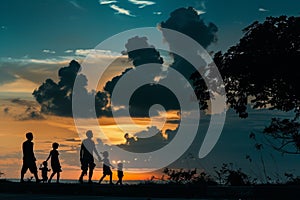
[{"x": 261, "y": 71}]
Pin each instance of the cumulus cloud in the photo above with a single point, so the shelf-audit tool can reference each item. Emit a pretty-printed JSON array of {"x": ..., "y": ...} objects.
[
  {"x": 120, "y": 10},
  {"x": 147, "y": 95},
  {"x": 188, "y": 21},
  {"x": 141, "y": 3},
  {"x": 49, "y": 51},
  {"x": 56, "y": 98}
]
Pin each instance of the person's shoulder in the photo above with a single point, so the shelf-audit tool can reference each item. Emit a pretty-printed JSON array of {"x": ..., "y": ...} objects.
[{"x": 27, "y": 142}]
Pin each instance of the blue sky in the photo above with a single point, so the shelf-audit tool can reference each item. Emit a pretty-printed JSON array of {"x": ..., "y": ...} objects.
[{"x": 27, "y": 28}]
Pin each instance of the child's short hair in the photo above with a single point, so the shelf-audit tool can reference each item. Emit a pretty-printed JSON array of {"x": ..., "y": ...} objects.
[
  {"x": 55, "y": 145},
  {"x": 45, "y": 163},
  {"x": 120, "y": 165},
  {"x": 105, "y": 153},
  {"x": 29, "y": 135}
]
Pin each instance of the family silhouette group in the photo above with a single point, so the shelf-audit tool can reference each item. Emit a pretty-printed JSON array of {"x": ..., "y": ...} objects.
[{"x": 87, "y": 149}]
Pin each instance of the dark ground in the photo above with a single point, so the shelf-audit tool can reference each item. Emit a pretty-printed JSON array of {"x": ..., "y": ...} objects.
[{"x": 13, "y": 190}]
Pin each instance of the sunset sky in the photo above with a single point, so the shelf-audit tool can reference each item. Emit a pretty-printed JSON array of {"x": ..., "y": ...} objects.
[{"x": 39, "y": 37}]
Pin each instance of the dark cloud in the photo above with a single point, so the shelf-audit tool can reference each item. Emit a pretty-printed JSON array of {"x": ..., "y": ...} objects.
[
  {"x": 139, "y": 144},
  {"x": 6, "y": 110},
  {"x": 31, "y": 113},
  {"x": 109, "y": 86},
  {"x": 188, "y": 22},
  {"x": 56, "y": 98},
  {"x": 30, "y": 110},
  {"x": 22, "y": 102},
  {"x": 140, "y": 52},
  {"x": 73, "y": 140}
]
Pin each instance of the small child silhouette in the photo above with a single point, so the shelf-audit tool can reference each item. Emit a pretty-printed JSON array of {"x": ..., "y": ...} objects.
[
  {"x": 106, "y": 168},
  {"x": 44, "y": 168},
  {"x": 55, "y": 164},
  {"x": 120, "y": 174}
]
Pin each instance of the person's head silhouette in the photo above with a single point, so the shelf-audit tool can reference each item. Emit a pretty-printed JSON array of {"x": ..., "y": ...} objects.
[
  {"x": 120, "y": 166},
  {"x": 55, "y": 145},
  {"x": 29, "y": 136},
  {"x": 45, "y": 163},
  {"x": 89, "y": 134},
  {"x": 105, "y": 154}
]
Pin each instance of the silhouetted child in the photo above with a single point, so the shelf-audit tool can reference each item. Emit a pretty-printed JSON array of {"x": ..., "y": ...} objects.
[
  {"x": 106, "y": 167},
  {"x": 44, "y": 168},
  {"x": 29, "y": 158},
  {"x": 120, "y": 174},
  {"x": 55, "y": 164}
]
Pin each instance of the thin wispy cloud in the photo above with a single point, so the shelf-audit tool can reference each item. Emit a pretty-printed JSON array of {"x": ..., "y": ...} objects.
[
  {"x": 121, "y": 10},
  {"x": 103, "y": 2},
  {"x": 48, "y": 51},
  {"x": 3, "y": 28},
  {"x": 76, "y": 5},
  {"x": 157, "y": 13},
  {"x": 262, "y": 10},
  {"x": 142, "y": 4},
  {"x": 69, "y": 51}
]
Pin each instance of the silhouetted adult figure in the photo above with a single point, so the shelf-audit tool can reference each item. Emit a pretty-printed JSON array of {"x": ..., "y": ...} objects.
[
  {"x": 29, "y": 158},
  {"x": 86, "y": 156}
]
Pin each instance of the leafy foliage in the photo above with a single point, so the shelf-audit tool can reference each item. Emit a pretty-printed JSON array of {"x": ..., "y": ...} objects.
[
  {"x": 261, "y": 71},
  {"x": 182, "y": 176},
  {"x": 261, "y": 68},
  {"x": 229, "y": 176}
]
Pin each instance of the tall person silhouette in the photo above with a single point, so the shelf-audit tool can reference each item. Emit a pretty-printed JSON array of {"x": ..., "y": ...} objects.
[
  {"x": 29, "y": 158},
  {"x": 86, "y": 156},
  {"x": 55, "y": 164}
]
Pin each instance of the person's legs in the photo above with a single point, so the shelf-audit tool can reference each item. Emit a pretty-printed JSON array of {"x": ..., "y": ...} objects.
[
  {"x": 36, "y": 177},
  {"x": 23, "y": 172},
  {"x": 101, "y": 179},
  {"x": 58, "y": 176},
  {"x": 53, "y": 173},
  {"x": 92, "y": 166},
  {"x": 91, "y": 174},
  {"x": 110, "y": 179},
  {"x": 33, "y": 170},
  {"x": 84, "y": 168}
]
